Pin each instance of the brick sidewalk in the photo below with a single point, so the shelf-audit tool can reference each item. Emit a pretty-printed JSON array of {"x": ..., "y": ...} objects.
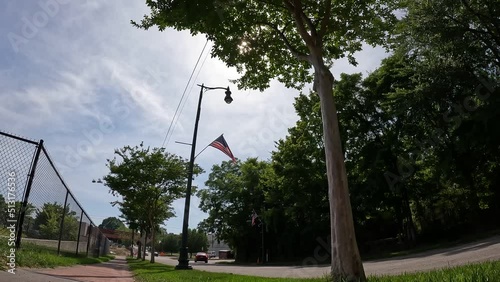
[{"x": 112, "y": 271}]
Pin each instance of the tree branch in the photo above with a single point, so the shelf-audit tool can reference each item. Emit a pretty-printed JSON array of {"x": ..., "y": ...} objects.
[
  {"x": 477, "y": 34},
  {"x": 306, "y": 19},
  {"x": 299, "y": 21},
  {"x": 492, "y": 16},
  {"x": 480, "y": 17},
  {"x": 297, "y": 54},
  {"x": 272, "y": 4},
  {"x": 325, "y": 20}
]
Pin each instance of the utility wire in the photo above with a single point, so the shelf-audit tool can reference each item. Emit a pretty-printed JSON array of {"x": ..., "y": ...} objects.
[
  {"x": 189, "y": 93},
  {"x": 183, "y": 94}
]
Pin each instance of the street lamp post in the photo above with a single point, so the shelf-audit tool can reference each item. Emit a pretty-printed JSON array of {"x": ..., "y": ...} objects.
[{"x": 183, "y": 254}]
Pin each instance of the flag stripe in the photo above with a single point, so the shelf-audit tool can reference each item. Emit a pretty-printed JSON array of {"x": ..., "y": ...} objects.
[
  {"x": 228, "y": 152},
  {"x": 221, "y": 144},
  {"x": 222, "y": 148}
]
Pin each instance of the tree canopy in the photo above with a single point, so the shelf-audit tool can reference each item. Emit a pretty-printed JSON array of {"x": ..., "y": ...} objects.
[
  {"x": 112, "y": 223},
  {"x": 47, "y": 222},
  {"x": 148, "y": 181},
  {"x": 260, "y": 38}
]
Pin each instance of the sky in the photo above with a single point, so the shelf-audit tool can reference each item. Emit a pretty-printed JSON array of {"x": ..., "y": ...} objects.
[{"x": 79, "y": 76}]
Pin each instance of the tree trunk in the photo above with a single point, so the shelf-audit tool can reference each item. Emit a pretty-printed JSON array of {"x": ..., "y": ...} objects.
[
  {"x": 152, "y": 260},
  {"x": 495, "y": 187},
  {"x": 139, "y": 249},
  {"x": 144, "y": 246},
  {"x": 132, "y": 245},
  {"x": 409, "y": 226},
  {"x": 346, "y": 261}
]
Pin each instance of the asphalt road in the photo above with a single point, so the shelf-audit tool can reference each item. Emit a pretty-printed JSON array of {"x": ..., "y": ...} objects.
[{"x": 483, "y": 250}]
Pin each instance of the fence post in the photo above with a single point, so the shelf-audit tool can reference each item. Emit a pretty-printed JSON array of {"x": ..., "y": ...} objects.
[
  {"x": 22, "y": 214},
  {"x": 62, "y": 222},
  {"x": 88, "y": 239},
  {"x": 79, "y": 229}
]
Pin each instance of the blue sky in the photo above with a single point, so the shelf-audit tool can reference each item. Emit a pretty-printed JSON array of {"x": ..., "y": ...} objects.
[{"x": 77, "y": 75}]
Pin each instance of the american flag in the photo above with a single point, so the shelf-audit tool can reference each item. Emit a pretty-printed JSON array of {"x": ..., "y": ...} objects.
[
  {"x": 221, "y": 144},
  {"x": 254, "y": 217}
]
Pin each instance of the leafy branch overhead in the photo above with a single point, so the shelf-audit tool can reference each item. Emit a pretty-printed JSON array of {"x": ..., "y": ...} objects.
[{"x": 261, "y": 38}]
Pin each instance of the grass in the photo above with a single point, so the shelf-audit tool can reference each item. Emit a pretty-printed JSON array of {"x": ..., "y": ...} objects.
[
  {"x": 144, "y": 271},
  {"x": 148, "y": 272},
  {"x": 35, "y": 256},
  {"x": 480, "y": 272}
]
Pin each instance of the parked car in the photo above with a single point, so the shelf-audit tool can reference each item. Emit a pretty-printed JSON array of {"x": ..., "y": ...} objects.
[
  {"x": 156, "y": 254},
  {"x": 201, "y": 257},
  {"x": 212, "y": 254}
]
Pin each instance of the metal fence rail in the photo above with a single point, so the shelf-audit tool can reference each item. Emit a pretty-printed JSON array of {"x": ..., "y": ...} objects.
[{"x": 37, "y": 206}]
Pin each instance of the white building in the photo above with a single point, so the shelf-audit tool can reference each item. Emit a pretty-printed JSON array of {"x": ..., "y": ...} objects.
[{"x": 214, "y": 245}]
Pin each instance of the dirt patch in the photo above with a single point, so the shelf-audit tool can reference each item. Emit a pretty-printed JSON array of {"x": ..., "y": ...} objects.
[{"x": 119, "y": 251}]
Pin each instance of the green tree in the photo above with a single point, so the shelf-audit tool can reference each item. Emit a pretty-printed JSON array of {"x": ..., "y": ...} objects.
[
  {"x": 198, "y": 241},
  {"x": 131, "y": 215},
  {"x": 301, "y": 194},
  {"x": 372, "y": 132},
  {"x": 48, "y": 222},
  {"x": 431, "y": 127},
  {"x": 448, "y": 32},
  {"x": 171, "y": 243},
  {"x": 148, "y": 180},
  {"x": 112, "y": 223},
  {"x": 28, "y": 216},
  {"x": 3, "y": 212},
  {"x": 448, "y": 58},
  {"x": 284, "y": 40},
  {"x": 233, "y": 192},
  {"x": 221, "y": 198},
  {"x": 459, "y": 41},
  {"x": 28, "y": 223}
]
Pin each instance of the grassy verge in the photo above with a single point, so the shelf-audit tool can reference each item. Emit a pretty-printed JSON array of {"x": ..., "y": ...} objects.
[
  {"x": 31, "y": 255},
  {"x": 144, "y": 271},
  {"x": 481, "y": 272},
  {"x": 148, "y": 272}
]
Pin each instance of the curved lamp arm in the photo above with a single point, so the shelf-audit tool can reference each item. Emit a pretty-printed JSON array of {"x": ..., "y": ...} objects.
[{"x": 228, "y": 99}]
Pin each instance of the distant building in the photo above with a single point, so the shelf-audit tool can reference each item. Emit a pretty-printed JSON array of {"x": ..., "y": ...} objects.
[
  {"x": 225, "y": 254},
  {"x": 214, "y": 245},
  {"x": 112, "y": 235},
  {"x": 118, "y": 236}
]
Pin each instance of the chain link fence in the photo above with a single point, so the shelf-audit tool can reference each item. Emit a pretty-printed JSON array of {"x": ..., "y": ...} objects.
[{"x": 37, "y": 206}]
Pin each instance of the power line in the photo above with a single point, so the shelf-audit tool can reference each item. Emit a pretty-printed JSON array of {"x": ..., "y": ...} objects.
[
  {"x": 183, "y": 94},
  {"x": 189, "y": 92}
]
